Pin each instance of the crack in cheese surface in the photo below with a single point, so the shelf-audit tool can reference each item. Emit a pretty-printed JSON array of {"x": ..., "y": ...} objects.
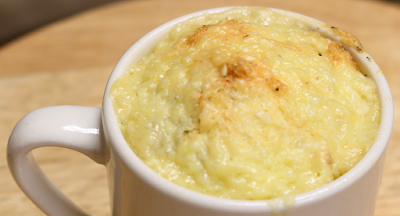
[{"x": 247, "y": 104}]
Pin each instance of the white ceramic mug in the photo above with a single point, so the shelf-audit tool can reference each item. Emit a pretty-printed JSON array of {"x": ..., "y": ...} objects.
[{"x": 136, "y": 190}]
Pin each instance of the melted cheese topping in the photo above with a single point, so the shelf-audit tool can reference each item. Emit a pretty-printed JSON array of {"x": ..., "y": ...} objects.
[{"x": 247, "y": 104}]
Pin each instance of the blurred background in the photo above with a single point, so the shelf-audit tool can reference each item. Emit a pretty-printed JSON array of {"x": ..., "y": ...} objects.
[{"x": 18, "y": 17}]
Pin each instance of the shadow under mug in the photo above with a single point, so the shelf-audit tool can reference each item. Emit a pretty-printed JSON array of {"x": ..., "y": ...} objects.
[{"x": 136, "y": 190}]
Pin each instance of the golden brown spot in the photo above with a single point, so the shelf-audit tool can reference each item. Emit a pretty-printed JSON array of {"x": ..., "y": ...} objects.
[
  {"x": 276, "y": 85},
  {"x": 252, "y": 70},
  {"x": 234, "y": 23},
  {"x": 338, "y": 55},
  {"x": 335, "y": 52},
  {"x": 349, "y": 39},
  {"x": 346, "y": 38},
  {"x": 195, "y": 38},
  {"x": 192, "y": 40},
  {"x": 242, "y": 68}
]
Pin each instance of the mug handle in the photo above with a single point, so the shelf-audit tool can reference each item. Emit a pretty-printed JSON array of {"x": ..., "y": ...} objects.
[{"x": 72, "y": 127}]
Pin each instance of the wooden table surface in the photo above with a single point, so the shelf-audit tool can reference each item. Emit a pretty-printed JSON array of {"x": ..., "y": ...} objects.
[{"x": 69, "y": 61}]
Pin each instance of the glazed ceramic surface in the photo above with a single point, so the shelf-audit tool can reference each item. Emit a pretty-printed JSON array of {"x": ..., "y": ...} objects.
[{"x": 136, "y": 190}]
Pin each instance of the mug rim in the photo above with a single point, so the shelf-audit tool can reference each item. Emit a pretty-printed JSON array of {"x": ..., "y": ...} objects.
[{"x": 120, "y": 147}]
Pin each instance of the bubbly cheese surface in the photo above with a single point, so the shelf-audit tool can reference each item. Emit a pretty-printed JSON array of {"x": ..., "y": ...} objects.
[{"x": 247, "y": 104}]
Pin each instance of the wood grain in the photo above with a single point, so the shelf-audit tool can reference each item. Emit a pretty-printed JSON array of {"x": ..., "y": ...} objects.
[{"x": 68, "y": 62}]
